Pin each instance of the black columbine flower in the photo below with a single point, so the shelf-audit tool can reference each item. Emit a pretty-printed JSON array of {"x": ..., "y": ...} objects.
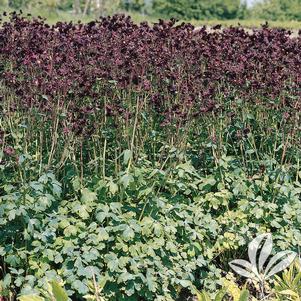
[
  {"x": 9, "y": 151},
  {"x": 79, "y": 63}
]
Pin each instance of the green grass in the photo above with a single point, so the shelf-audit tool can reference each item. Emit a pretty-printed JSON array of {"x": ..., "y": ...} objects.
[
  {"x": 54, "y": 16},
  {"x": 249, "y": 23}
]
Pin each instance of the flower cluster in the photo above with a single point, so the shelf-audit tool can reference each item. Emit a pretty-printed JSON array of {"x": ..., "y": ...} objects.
[{"x": 176, "y": 71}]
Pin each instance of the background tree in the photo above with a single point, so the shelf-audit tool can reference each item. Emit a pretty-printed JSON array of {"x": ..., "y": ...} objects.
[
  {"x": 100, "y": 7},
  {"x": 277, "y": 10},
  {"x": 65, "y": 4},
  {"x": 16, "y": 3},
  {"x": 200, "y": 9},
  {"x": 182, "y": 9},
  {"x": 76, "y": 6}
]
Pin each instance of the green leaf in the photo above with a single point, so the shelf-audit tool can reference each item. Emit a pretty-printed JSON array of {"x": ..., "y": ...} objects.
[
  {"x": 80, "y": 287},
  {"x": 127, "y": 155},
  {"x": 112, "y": 262},
  {"x": 151, "y": 281},
  {"x": 13, "y": 260},
  {"x": 56, "y": 189},
  {"x": 36, "y": 186},
  {"x": 244, "y": 296},
  {"x": 76, "y": 184},
  {"x": 70, "y": 230},
  {"x": 103, "y": 282},
  {"x": 128, "y": 233},
  {"x": 101, "y": 216},
  {"x": 113, "y": 188},
  {"x": 58, "y": 292},
  {"x": 58, "y": 258},
  {"x": 145, "y": 191},
  {"x": 289, "y": 292},
  {"x": 83, "y": 213},
  {"x": 31, "y": 298},
  {"x": 88, "y": 196},
  {"x": 103, "y": 234},
  {"x": 220, "y": 295},
  {"x": 126, "y": 180},
  {"x": 6, "y": 281},
  {"x": 12, "y": 214},
  {"x": 185, "y": 283},
  {"x": 199, "y": 295},
  {"x": 158, "y": 230},
  {"x": 64, "y": 224},
  {"x": 204, "y": 296}
]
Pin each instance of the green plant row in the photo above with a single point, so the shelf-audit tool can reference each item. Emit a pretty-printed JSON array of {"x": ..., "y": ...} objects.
[
  {"x": 287, "y": 287},
  {"x": 149, "y": 232}
]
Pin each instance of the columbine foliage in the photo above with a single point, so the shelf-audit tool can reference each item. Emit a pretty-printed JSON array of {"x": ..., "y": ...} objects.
[{"x": 161, "y": 232}]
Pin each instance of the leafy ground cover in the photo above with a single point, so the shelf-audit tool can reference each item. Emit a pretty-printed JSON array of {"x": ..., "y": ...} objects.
[{"x": 137, "y": 161}]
